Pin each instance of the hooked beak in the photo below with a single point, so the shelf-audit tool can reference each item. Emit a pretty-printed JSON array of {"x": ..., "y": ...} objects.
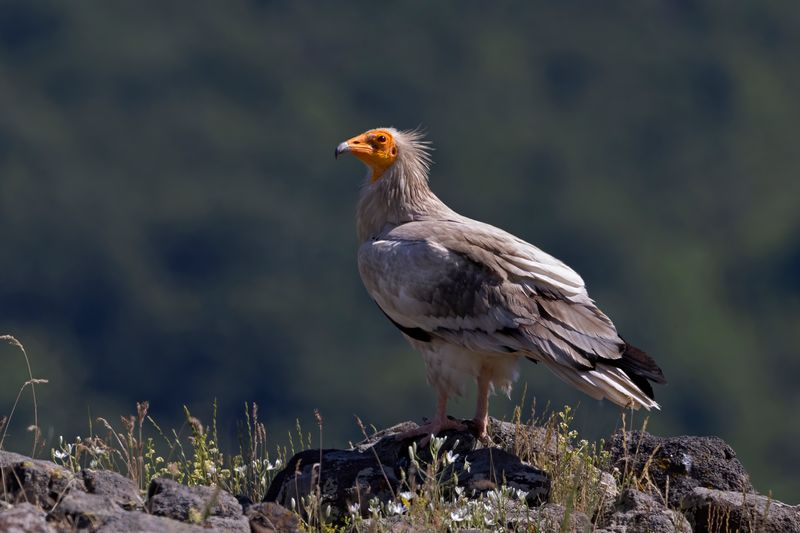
[
  {"x": 359, "y": 146},
  {"x": 342, "y": 148}
]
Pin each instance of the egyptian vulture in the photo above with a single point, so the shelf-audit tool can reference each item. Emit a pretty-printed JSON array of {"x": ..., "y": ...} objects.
[{"x": 474, "y": 299}]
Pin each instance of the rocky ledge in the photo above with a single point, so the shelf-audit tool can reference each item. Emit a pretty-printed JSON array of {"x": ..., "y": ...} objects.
[
  {"x": 686, "y": 484},
  {"x": 40, "y": 496}
]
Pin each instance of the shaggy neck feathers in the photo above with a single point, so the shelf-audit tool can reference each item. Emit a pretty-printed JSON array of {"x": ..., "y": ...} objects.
[{"x": 402, "y": 193}]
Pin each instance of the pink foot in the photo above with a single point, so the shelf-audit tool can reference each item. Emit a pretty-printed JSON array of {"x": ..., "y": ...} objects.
[{"x": 481, "y": 429}]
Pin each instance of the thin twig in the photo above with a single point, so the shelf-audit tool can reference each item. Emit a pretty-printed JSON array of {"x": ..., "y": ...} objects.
[{"x": 372, "y": 447}]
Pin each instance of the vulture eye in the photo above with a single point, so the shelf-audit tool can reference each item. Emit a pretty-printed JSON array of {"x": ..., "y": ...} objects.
[{"x": 382, "y": 138}]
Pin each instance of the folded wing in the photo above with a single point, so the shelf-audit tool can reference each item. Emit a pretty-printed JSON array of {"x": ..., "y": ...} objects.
[{"x": 488, "y": 291}]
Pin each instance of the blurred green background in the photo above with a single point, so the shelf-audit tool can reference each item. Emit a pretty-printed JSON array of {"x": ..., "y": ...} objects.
[{"x": 174, "y": 227}]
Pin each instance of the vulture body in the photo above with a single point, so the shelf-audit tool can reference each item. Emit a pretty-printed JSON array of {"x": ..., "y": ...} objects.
[{"x": 474, "y": 299}]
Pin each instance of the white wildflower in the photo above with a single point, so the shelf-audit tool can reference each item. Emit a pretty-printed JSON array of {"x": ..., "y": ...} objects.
[
  {"x": 407, "y": 495},
  {"x": 460, "y": 514},
  {"x": 374, "y": 506},
  {"x": 354, "y": 508},
  {"x": 394, "y": 508},
  {"x": 450, "y": 458},
  {"x": 437, "y": 443}
]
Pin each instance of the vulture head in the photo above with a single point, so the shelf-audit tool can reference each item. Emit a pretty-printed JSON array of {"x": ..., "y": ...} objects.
[{"x": 375, "y": 148}]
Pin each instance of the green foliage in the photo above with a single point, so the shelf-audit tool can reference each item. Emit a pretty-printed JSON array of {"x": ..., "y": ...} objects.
[{"x": 576, "y": 466}]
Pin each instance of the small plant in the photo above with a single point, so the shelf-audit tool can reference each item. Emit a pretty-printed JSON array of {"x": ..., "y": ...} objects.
[
  {"x": 428, "y": 498},
  {"x": 575, "y": 465},
  {"x": 5, "y": 421},
  {"x": 194, "y": 459}
]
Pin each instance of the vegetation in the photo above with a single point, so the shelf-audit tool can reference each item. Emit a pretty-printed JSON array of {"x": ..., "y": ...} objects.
[
  {"x": 435, "y": 502},
  {"x": 428, "y": 499}
]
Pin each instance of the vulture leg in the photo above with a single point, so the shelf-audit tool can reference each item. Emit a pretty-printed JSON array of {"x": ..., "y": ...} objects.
[
  {"x": 482, "y": 409},
  {"x": 435, "y": 426}
]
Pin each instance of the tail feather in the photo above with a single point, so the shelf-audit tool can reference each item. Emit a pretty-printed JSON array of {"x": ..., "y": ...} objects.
[
  {"x": 640, "y": 368},
  {"x": 625, "y": 381},
  {"x": 605, "y": 381}
]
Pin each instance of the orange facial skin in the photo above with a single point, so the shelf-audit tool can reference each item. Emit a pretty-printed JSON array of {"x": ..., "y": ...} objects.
[{"x": 375, "y": 148}]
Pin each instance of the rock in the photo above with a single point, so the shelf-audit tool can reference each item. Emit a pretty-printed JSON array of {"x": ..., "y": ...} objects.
[
  {"x": 516, "y": 516},
  {"x": 100, "y": 513},
  {"x": 269, "y": 517},
  {"x": 396, "y": 524},
  {"x": 373, "y": 468},
  {"x": 638, "y": 511},
  {"x": 523, "y": 440},
  {"x": 119, "y": 489},
  {"x": 518, "y": 439},
  {"x": 490, "y": 468},
  {"x": 80, "y": 510},
  {"x": 34, "y": 481},
  {"x": 687, "y": 462},
  {"x": 126, "y": 522},
  {"x": 24, "y": 518},
  {"x": 345, "y": 477},
  {"x": 553, "y": 517},
  {"x": 166, "y": 497},
  {"x": 715, "y": 510}
]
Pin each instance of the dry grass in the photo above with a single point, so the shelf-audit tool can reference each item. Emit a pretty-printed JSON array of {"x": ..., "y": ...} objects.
[
  {"x": 429, "y": 497},
  {"x": 5, "y": 421}
]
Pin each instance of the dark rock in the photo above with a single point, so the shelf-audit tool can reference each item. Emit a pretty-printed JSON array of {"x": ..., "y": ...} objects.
[
  {"x": 374, "y": 468},
  {"x": 119, "y": 489},
  {"x": 24, "y": 518},
  {"x": 269, "y": 517},
  {"x": 344, "y": 477},
  {"x": 244, "y": 501},
  {"x": 638, "y": 511},
  {"x": 687, "y": 462},
  {"x": 166, "y": 497},
  {"x": 34, "y": 481},
  {"x": 491, "y": 468},
  {"x": 519, "y": 439},
  {"x": 712, "y": 510}
]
